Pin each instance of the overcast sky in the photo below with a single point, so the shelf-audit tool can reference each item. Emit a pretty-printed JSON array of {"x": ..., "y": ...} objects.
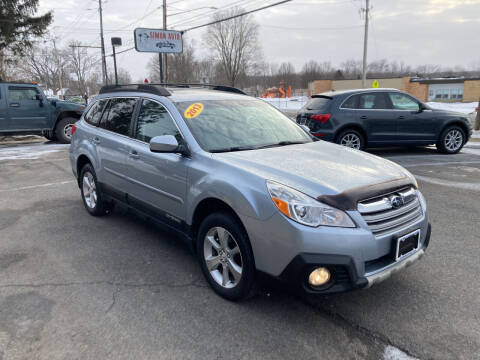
[{"x": 444, "y": 32}]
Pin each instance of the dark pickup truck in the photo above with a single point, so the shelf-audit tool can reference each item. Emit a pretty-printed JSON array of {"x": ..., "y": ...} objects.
[{"x": 24, "y": 109}]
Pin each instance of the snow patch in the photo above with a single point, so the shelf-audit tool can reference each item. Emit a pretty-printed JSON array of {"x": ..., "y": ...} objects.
[
  {"x": 392, "y": 353},
  {"x": 465, "y": 108},
  {"x": 30, "y": 151}
]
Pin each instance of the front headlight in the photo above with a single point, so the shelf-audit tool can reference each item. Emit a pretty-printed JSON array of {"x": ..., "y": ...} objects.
[{"x": 304, "y": 209}]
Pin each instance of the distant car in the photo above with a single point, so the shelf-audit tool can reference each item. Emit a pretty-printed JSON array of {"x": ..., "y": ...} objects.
[
  {"x": 383, "y": 117},
  {"x": 24, "y": 109}
]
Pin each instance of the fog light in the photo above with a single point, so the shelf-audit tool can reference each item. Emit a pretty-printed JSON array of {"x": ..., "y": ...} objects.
[{"x": 318, "y": 277}]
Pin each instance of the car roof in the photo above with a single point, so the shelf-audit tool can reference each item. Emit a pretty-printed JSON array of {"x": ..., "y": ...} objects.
[{"x": 334, "y": 93}]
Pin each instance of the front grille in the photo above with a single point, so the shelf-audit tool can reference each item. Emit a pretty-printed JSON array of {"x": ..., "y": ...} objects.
[{"x": 391, "y": 212}]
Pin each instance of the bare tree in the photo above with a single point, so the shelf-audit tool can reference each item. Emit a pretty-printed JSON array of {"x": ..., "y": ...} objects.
[
  {"x": 286, "y": 74},
  {"x": 44, "y": 65},
  {"x": 124, "y": 76},
  {"x": 81, "y": 64},
  {"x": 181, "y": 67},
  {"x": 234, "y": 42}
]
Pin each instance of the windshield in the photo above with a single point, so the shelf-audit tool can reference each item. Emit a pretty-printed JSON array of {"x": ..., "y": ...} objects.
[{"x": 233, "y": 125}]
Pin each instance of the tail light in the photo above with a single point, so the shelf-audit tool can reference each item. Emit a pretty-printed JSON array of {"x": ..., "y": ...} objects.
[
  {"x": 74, "y": 128},
  {"x": 323, "y": 118}
]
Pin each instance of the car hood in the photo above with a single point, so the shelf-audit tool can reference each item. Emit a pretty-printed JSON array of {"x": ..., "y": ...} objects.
[
  {"x": 66, "y": 105},
  {"x": 318, "y": 168},
  {"x": 449, "y": 113}
]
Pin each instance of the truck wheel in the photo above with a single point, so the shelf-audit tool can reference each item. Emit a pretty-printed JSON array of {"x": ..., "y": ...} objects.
[
  {"x": 451, "y": 140},
  {"x": 63, "y": 130},
  {"x": 226, "y": 257}
]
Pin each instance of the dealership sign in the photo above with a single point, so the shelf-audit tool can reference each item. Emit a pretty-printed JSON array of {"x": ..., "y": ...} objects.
[{"x": 159, "y": 41}]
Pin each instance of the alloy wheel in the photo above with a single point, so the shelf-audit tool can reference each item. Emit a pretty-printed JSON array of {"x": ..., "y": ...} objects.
[
  {"x": 89, "y": 190},
  {"x": 453, "y": 140},
  {"x": 350, "y": 140},
  {"x": 222, "y": 257},
  {"x": 67, "y": 130}
]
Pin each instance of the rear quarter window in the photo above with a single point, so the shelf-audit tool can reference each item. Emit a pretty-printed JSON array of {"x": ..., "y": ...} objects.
[
  {"x": 94, "y": 115},
  {"x": 350, "y": 103}
]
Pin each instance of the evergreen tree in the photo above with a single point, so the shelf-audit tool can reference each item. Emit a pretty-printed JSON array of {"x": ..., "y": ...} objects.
[{"x": 19, "y": 26}]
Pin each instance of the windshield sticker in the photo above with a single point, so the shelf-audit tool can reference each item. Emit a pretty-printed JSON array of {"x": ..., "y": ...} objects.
[{"x": 193, "y": 110}]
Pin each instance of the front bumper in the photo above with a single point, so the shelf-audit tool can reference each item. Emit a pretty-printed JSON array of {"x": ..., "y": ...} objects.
[{"x": 344, "y": 274}]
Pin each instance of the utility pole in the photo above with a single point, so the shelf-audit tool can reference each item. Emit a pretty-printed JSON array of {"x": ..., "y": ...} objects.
[
  {"x": 62, "y": 96},
  {"x": 365, "y": 45},
  {"x": 104, "y": 62},
  {"x": 165, "y": 28}
]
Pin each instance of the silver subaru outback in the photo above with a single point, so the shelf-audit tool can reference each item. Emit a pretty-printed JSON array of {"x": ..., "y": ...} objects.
[{"x": 248, "y": 188}]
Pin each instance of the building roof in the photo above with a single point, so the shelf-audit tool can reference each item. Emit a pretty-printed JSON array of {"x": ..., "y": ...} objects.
[{"x": 443, "y": 80}]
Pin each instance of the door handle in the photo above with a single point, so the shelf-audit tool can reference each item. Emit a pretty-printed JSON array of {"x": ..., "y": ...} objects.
[
  {"x": 401, "y": 117},
  {"x": 96, "y": 140},
  {"x": 14, "y": 105},
  {"x": 134, "y": 154},
  {"x": 363, "y": 117}
]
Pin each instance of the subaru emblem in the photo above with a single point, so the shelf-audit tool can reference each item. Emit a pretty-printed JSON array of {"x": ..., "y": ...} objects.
[{"x": 396, "y": 201}]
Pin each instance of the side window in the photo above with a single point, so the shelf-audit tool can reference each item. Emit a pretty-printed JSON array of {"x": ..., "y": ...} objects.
[
  {"x": 351, "y": 102},
  {"x": 154, "y": 120},
  {"x": 375, "y": 101},
  {"x": 403, "y": 102},
  {"x": 119, "y": 115},
  {"x": 21, "y": 93},
  {"x": 95, "y": 113}
]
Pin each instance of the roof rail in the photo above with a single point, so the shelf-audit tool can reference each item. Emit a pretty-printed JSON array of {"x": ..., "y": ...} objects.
[
  {"x": 147, "y": 88},
  {"x": 212, "y": 86}
]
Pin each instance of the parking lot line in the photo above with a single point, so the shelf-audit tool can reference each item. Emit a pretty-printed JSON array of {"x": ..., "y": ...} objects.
[{"x": 39, "y": 186}]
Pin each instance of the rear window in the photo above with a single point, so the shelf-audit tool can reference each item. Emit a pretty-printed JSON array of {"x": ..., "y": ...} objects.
[
  {"x": 119, "y": 117},
  {"x": 318, "y": 103}
]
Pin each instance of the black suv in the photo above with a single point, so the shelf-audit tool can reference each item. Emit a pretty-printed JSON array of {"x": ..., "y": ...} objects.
[{"x": 382, "y": 117}]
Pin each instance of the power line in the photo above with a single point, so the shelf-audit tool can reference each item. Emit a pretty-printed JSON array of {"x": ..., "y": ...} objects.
[
  {"x": 221, "y": 20},
  {"x": 223, "y": 8},
  {"x": 238, "y": 15}
]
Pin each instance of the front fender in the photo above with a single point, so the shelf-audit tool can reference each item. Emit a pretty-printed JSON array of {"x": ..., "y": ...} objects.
[{"x": 245, "y": 193}]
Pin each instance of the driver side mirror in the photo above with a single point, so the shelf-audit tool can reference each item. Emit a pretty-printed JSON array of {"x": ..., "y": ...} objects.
[
  {"x": 422, "y": 107},
  {"x": 39, "y": 97},
  {"x": 167, "y": 144}
]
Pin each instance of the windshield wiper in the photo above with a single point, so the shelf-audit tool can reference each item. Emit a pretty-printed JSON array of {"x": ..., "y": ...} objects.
[
  {"x": 281, "y": 143},
  {"x": 233, "y": 148}
]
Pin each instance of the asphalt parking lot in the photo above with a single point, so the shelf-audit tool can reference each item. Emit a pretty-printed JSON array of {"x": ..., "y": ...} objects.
[{"x": 77, "y": 287}]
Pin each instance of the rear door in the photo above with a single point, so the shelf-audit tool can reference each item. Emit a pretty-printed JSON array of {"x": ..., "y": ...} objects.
[
  {"x": 112, "y": 143},
  {"x": 158, "y": 181},
  {"x": 25, "y": 112},
  {"x": 374, "y": 112},
  {"x": 413, "y": 126}
]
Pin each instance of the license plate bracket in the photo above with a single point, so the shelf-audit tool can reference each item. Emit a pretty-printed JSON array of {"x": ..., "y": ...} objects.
[{"x": 407, "y": 244}]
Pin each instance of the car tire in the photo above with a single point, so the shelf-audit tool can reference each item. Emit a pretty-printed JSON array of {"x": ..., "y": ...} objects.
[
  {"x": 226, "y": 257},
  {"x": 351, "y": 138},
  {"x": 451, "y": 140},
  {"x": 92, "y": 197},
  {"x": 63, "y": 129}
]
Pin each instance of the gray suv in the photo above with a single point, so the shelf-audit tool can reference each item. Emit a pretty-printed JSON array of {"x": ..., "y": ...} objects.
[{"x": 248, "y": 188}]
